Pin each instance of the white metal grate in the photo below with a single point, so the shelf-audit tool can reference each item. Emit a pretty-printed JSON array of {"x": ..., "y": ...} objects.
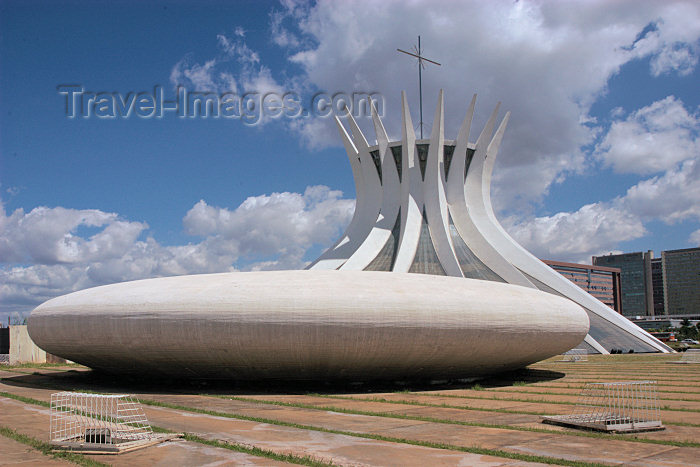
[
  {"x": 575, "y": 355},
  {"x": 5, "y": 358},
  {"x": 99, "y": 422},
  {"x": 621, "y": 407},
  {"x": 691, "y": 356}
]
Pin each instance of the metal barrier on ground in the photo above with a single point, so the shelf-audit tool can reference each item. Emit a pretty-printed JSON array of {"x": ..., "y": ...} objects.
[
  {"x": 628, "y": 406},
  {"x": 100, "y": 423},
  {"x": 690, "y": 356},
  {"x": 575, "y": 355}
]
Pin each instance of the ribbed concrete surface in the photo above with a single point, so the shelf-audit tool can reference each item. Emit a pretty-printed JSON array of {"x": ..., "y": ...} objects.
[{"x": 308, "y": 325}]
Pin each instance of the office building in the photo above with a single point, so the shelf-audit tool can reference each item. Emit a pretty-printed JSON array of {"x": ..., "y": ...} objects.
[
  {"x": 601, "y": 282},
  {"x": 681, "y": 279}
]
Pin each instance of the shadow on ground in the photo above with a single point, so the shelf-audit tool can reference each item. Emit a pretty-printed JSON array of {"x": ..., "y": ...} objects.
[{"x": 94, "y": 381}]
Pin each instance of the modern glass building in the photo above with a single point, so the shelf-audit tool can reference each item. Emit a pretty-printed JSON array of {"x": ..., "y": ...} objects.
[
  {"x": 635, "y": 279},
  {"x": 601, "y": 282},
  {"x": 681, "y": 279},
  {"x": 650, "y": 286},
  {"x": 657, "y": 284}
]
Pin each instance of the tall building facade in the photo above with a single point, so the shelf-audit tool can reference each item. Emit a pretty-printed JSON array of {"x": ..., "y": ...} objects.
[
  {"x": 657, "y": 284},
  {"x": 601, "y": 282},
  {"x": 650, "y": 286},
  {"x": 681, "y": 279},
  {"x": 635, "y": 280}
]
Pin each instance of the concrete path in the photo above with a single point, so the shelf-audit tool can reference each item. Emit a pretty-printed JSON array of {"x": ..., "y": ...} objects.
[
  {"x": 33, "y": 421},
  {"x": 672, "y": 432},
  {"x": 523, "y": 442},
  {"x": 308, "y": 437},
  {"x": 14, "y": 453},
  {"x": 328, "y": 447},
  {"x": 515, "y": 406}
]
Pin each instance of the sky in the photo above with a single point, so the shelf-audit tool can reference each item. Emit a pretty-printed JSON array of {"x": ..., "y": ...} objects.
[{"x": 111, "y": 171}]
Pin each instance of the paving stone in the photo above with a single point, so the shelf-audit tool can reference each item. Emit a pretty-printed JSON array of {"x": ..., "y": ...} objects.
[
  {"x": 13, "y": 453},
  {"x": 478, "y": 408}
]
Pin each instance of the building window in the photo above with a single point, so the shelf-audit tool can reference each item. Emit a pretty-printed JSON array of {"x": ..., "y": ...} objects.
[
  {"x": 377, "y": 163},
  {"x": 426, "y": 260},
  {"x": 472, "y": 267},
  {"x": 422, "y": 150},
  {"x": 396, "y": 152},
  {"x": 470, "y": 156},
  {"x": 386, "y": 257},
  {"x": 448, "y": 152}
]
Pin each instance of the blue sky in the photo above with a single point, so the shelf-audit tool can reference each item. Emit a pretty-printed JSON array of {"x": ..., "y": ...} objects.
[{"x": 601, "y": 154}]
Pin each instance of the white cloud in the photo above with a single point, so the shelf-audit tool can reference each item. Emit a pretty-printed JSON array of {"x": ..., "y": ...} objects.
[
  {"x": 194, "y": 76},
  {"x": 671, "y": 197},
  {"x": 317, "y": 133},
  {"x": 49, "y": 235},
  {"x": 652, "y": 139},
  {"x": 671, "y": 40},
  {"x": 238, "y": 49},
  {"x": 275, "y": 224},
  {"x": 24, "y": 287},
  {"x": 236, "y": 68},
  {"x": 679, "y": 58},
  {"x": 695, "y": 237},
  {"x": 280, "y": 34},
  {"x": 548, "y": 62},
  {"x": 265, "y": 232},
  {"x": 664, "y": 138},
  {"x": 576, "y": 236}
]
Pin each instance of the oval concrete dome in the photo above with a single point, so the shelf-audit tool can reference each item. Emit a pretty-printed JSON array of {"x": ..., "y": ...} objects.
[{"x": 308, "y": 325}]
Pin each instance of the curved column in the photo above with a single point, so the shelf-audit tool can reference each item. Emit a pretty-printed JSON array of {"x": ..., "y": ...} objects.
[
  {"x": 379, "y": 131},
  {"x": 331, "y": 259},
  {"x": 366, "y": 209},
  {"x": 484, "y": 249},
  {"x": 391, "y": 203},
  {"x": 529, "y": 264},
  {"x": 489, "y": 162},
  {"x": 455, "y": 183},
  {"x": 434, "y": 196},
  {"x": 594, "y": 343},
  {"x": 411, "y": 193},
  {"x": 471, "y": 217}
]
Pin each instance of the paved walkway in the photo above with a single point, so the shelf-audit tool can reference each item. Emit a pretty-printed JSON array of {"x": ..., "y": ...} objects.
[
  {"x": 522, "y": 442},
  {"x": 308, "y": 434},
  {"x": 17, "y": 454},
  {"x": 33, "y": 421},
  {"x": 339, "y": 449}
]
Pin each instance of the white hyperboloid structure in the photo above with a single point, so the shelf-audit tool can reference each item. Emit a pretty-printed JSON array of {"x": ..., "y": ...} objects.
[
  {"x": 424, "y": 283},
  {"x": 424, "y": 206}
]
